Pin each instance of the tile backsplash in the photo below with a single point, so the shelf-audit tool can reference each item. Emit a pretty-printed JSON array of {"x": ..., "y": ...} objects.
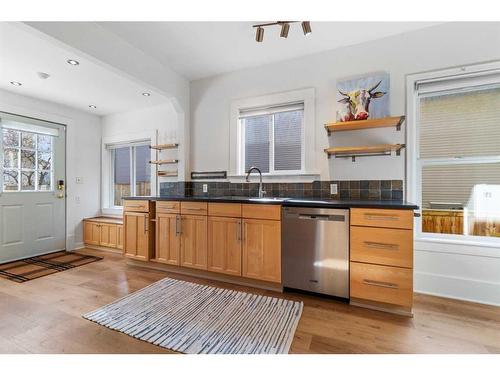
[{"x": 356, "y": 189}]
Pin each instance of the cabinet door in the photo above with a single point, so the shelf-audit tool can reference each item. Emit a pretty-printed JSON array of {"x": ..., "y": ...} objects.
[
  {"x": 262, "y": 249},
  {"x": 119, "y": 236},
  {"x": 224, "y": 245},
  {"x": 194, "y": 241},
  {"x": 136, "y": 235},
  {"x": 91, "y": 233},
  {"x": 109, "y": 235},
  {"x": 168, "y": 238}
]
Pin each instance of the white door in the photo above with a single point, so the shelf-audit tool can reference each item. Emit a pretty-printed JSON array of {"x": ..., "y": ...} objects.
[{"x": 32, "y": 187}]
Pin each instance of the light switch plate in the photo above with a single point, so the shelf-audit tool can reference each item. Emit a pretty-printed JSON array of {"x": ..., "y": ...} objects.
[
  {"x": 205, "y": 188},
  {"x": 333, "y": 189},
  {"x": 79, "y": 180}
]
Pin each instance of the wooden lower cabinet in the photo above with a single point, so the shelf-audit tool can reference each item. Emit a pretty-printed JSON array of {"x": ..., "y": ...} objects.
[
  {"x": 109, "y": 235},
  {"x": 119, "y": 240},
  {"x": 91, "y": 233},
  {"x": 261, "y": 249},
  {"x": 193, "y": 247},
  {"x": 168, "y": 239},
  {"x": 139, "y": 235},
  {"x": 224, "y": 245}
]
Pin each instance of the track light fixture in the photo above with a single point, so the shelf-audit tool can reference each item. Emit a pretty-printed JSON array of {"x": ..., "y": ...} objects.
[
  {"x": 285, "y": 28},
  {"x": 306, "y": 27},
  {"x": 259, "y": 35}
]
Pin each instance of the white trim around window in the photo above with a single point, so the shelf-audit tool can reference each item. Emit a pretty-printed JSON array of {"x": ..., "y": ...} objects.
[
  {"x": 305, "y": 96},
  {"x": 430, "y": 82}
]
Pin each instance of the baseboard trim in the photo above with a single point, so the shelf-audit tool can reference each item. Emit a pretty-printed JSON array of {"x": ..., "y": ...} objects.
[{"x": 463, "y": 289}]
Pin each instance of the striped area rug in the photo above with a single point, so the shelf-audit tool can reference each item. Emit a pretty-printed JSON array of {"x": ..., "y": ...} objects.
[{"x": 193, "y": 318}]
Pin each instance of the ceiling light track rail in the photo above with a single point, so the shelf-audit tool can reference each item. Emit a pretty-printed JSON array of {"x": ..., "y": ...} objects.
[{"x": 285, "y": 27}]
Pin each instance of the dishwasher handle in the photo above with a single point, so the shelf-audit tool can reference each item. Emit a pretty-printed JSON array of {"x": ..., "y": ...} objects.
[{"x": 322, "y": 217}]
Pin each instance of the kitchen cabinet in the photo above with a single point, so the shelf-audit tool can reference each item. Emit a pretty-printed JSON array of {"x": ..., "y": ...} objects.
[
  {"x": 138, "y": 235},
  {"x": 262, "y": 249},
  {"x": 193, "y": 244},
  {"x": 103, "y": 232},
  {"x": 224, "y": 244},
  {"x": 168, "y": 239}
]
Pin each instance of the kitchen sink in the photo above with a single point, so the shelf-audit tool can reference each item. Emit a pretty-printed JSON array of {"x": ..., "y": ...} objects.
[{"x": 267, "y": 199}]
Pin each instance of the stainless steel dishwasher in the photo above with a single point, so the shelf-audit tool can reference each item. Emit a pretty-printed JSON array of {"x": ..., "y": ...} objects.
[{"x": 315, "y": 250}]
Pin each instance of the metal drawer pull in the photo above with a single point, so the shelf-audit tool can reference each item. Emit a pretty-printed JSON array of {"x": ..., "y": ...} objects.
[
  {"x": 195, "y": 209},
  {"x": 381, "y": 245},
  {"x": 177, "y": 225},
  {"x": 239, "y": 231},
  {"x": 135, "y": 205},
  {"x": 380, "y": 283},
  {"x": 380, "y": 217}
]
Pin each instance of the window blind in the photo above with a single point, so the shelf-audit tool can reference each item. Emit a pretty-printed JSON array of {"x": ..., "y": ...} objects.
[
  {"x": 288, "y": 140},
  {"x": 257, "y": 130},
  {"x": 460, "y": 124},
  {"x": 269, "y": 110}
]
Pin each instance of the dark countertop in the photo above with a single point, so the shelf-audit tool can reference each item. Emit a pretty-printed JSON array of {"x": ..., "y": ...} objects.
[{"x": 291, "y": 202}]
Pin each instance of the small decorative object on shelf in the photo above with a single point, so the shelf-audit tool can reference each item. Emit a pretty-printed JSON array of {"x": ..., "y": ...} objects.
[
  {"x": 361, "y": 151},
  {"x": 363, "y": 97}
]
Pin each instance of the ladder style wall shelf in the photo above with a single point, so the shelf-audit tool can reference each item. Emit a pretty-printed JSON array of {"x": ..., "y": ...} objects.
[
  {"x": 164, "y": 146},
  {"x": 361, "y": 151},
  {"x": 160, "y": 162},
  {"x": 385, "y": 122}
]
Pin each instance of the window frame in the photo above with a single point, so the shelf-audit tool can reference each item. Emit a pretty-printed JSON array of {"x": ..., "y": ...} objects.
[
  {"x": 272, "y": 170},
  {"x": 310, "y": 170},
  {"x": 132, "y": 155},
  {"x": 20, "y": 169},
  {"x": 448, "y": 80}
]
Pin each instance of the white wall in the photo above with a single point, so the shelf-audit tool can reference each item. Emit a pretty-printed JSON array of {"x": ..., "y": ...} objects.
[
  {"x": 433, "y": 48},
  {"x": 142, "y": 124},
  {"x": 83, "y": 153},
  {"x": 462, "y": 272}
]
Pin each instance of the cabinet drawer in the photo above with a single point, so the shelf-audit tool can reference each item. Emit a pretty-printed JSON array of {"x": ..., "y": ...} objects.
[
  {"x": 392, "y": 285},
  {"x": 373, "y": 217},
  {"x": 261, "y": 211},
  {"x": 136, "y": 205},
  {"x": 392, "y": 247},
  {"x": 224, "y": 209},
  {"x": 194, "y": 208},
  {"x": 168, "y": 207}
]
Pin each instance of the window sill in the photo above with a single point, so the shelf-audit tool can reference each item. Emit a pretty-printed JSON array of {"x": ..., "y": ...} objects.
[
  {"x": 458, "y": 246},
  {"x": 286, "y": 177},
  {"x": 112, "y": 210}
]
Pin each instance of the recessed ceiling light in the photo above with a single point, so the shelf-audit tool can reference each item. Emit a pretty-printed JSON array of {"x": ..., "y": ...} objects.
[
  {"x": 73, "y": 62},
  {"x": 92, "y": 106},
  {"x": 146, "y": 94},
  {"x": 16, "y": 83}
]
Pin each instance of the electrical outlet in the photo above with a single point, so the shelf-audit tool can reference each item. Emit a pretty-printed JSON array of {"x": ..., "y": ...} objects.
[
  {"x": 79, "y": 180},
  {"x": 333, "y": 189},
  {"x": 77, "y": 199},
  {"x": 205, "y": 188}
]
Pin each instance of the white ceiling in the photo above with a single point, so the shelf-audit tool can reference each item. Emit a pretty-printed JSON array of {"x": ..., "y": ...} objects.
[
  {"x": 24, "y": 52},
  {"x": 203, "y": 49}
]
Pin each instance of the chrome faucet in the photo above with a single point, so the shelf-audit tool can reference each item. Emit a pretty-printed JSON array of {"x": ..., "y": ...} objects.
[{"x": 261, "y": 191}]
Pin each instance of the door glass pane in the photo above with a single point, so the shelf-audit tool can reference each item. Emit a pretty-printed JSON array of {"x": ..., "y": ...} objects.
[
  {"x": 27, "y": 159},
  {"x": 44, "y": 180},
  {"x": 10, "y": 137},
  {"x": 10, "y": 180},
  {"x": 461, "y": 199},
  {"x": 44, "y": 160},
  {"x": 122, "y": 174},
  {"x": 142, "y": 170},
  {"x": 288, "y": 141},
  {"x": 257, "y": 145},
  {"x": 10, "y": 158},
  {"x": 44, "y": 143},
  {"x": 28, "y": 140},
  {"x": 28, "y": 180}
]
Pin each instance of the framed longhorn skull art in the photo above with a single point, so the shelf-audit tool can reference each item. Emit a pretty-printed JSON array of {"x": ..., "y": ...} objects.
[{"x": 363, "y": 97}]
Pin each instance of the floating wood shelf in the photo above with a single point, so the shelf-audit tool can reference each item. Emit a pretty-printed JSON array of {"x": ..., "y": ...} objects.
[
  {"x": 385, "y": 122},
  {"x": 160, "y": 162},
  {"x": 167, "y": 173},
  {"x": 361, "y": 151},
  {"x": 164, "y": 146}
]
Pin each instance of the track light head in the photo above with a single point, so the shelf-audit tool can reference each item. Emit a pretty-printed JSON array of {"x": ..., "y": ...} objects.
[
  {"x": 306, "y": 27},
  {"x": 285, "y": 27},
  {"x": 259, "y": 35}
]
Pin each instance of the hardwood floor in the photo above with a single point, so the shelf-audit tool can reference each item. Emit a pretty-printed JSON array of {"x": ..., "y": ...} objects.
[{"x": 44, "y": 316}]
